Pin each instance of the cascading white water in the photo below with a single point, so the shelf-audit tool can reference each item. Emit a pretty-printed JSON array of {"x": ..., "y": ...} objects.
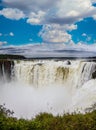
[
  {"x": 45, "y": 73},
  {"x": 49, "y": 86},
  {"x": 3, "y": 76},
  {"x": 3, "y": 73},
  {"x": 85, "y": 96}
]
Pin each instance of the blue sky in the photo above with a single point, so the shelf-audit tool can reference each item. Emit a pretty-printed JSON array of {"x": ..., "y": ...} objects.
[
  {"x": 23, "y": 33},
  {"x": 32, "y": 22}
]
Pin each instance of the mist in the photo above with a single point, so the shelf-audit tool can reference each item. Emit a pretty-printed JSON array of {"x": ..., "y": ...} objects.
[
  {"x": 34, "y": 87},
  {"x": 27, "y": 101}
]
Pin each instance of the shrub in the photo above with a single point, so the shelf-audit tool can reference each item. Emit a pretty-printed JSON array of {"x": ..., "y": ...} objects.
[{"x": 45, "y": 121}]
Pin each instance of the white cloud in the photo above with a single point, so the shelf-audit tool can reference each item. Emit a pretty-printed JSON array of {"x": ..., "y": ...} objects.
[
  {"x": 11, "y": 34},
  {"x": 57, "y": 17},
  {"x": 71, "y": 11},
  {"x": 93, "y": 1},
  {"x": 36, "y": 18},
  {"x": 30, "y": 39},
  {"x": 3, "y": 43},
  {"x": 14, "y": 14},
  {"x": 30, "y": 5},
  {"x": 94, "y": 17},
  {"x": 69, "y": 27},
  {"x": 88, "y": 38},
  {"x": 56, "y": 33},
  {"x": 53, "y": 11},
  {"x": 84, "y": 34},
  {"x": 50, "y": 50},
  {"x": 0, "y": 34},
  {"x": 8, "y": 34},
  {"x": 73, "y": 8}
]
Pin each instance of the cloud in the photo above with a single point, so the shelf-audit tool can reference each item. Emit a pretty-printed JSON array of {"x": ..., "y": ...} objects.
[
  {"x": 57, "y": 34},
  {"x": 30, "y": 39},
  {"x": 30, "y": 5},
  {"x": 94, "y": 17},
  {"x": 48, "y": 50},
  {"x": 8, "y": 34},
  {"x": 84, "y": 34},
  {"x": 3, "y": 43},
  {"x": 0, "y": 34},
  {"x": 36, "y": 18},
  {"x": 52, "y": 11},
  {"x": 93, "y": 1},
  {"x": 88, "y": 38},
  {"x": 57, "y": 17},
  {"x": 11, "y": 34},
  {"x": 14, "y": 14}
]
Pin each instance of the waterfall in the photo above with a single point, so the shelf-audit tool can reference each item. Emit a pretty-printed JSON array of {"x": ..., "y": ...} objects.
[
  {"x": 4, "y": 77},
  {"x": 41, "y": 73},
  {"x": 45, "y": 73},
  {"x": 52, "y": 86},
  {"x": 6, "y": 68},
  {"x": 85, "y": 72}
]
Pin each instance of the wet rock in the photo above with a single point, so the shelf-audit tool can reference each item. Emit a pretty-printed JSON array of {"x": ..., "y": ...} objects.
[
  {"x": 68, "y": 62},
  {"x": 94, "y": 75},
  {"x": 6, "y": 68}
]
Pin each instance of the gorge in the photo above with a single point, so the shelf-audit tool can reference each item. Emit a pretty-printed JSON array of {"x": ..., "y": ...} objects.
[{"x": 29, "y": 87}]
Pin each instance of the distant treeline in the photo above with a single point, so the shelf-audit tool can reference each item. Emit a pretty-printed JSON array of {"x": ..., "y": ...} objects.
[
  {"x": 7, "y": 56},
  {"x": 10, "y": 56}
]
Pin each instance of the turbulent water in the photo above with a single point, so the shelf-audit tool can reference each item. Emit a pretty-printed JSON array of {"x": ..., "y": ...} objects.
[{"x": 51, "y": 86}]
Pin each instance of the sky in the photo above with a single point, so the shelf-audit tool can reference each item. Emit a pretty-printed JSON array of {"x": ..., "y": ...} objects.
[{"x": 48, "y": 23}]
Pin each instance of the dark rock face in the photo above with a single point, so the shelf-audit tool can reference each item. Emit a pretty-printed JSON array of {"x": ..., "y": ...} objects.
[
  {"x": 68, "y": 62},
  {"x": 5, "y": 69},
  {"x": 94, "y": 75}
]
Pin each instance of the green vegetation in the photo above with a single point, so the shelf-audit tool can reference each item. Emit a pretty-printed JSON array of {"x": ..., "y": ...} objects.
[
  {"x": 46, "y": 121},
  {"x": 6, "y": 56}
]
